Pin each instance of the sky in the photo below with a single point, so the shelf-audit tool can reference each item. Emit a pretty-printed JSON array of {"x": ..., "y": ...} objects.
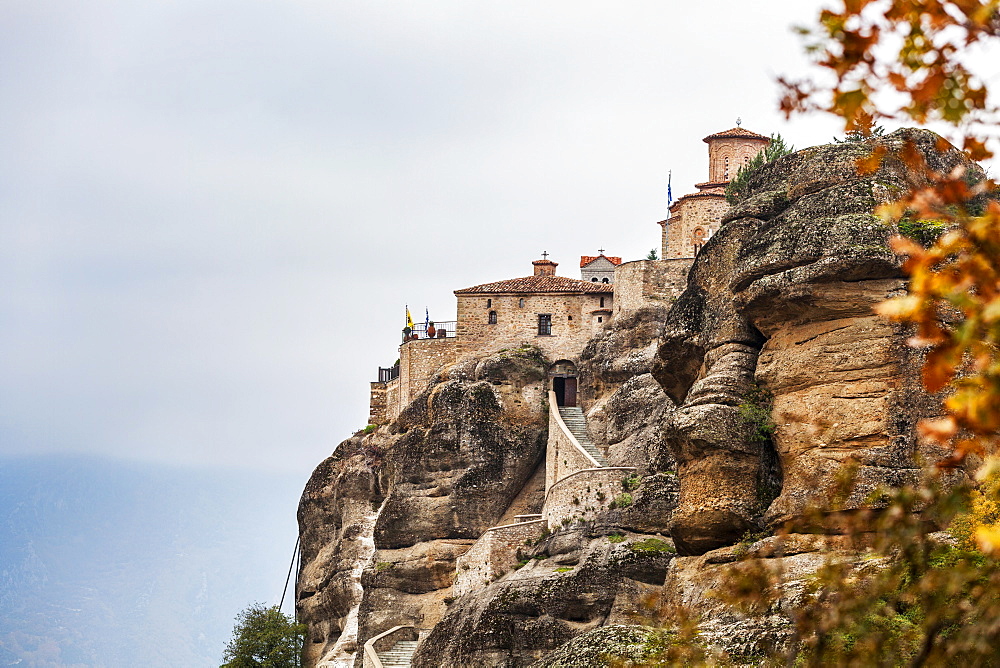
[{"x": 213, "y": 213}]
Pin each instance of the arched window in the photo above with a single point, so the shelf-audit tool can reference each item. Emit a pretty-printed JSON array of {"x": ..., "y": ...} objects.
[
  {"x": 605, "y": 280},
  {"x": 493, "y": 318},
  {"x": 699, "y": 239},
  {"x": 594, "y": 279},
  {"x": 727, "y": 169},
  {"x": 520, "y": 302}
]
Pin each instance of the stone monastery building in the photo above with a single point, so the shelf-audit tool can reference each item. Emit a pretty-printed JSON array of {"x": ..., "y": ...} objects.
[
  {"x": 694, "y": 218},
  {"x": 558, "y": 314}
]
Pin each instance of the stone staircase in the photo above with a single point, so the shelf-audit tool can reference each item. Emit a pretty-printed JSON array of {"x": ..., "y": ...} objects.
[
  {"x": 576, "y": 422},
  {"x": 399, "y": 655}
]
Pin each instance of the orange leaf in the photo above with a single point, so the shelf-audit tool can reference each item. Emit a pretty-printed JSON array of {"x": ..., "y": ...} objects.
[
  {"x": 938, "y": 369},
  {"x": 976, "y": 149},
  {"x": 900, "y": 308},
  {"x": 871, "y": 163},
  {"x": 939, "y": 430}
]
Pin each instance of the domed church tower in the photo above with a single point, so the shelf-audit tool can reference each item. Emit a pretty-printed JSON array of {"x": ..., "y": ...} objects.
[{"x": 695, "y": 217}]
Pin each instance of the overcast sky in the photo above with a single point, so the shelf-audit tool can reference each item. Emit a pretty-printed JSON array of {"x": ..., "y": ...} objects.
[{"x": 213, "y": 212}]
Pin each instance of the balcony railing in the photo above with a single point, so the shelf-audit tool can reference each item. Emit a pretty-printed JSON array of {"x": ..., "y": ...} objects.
[
  {"x": 386, "y": 374},
  {"x": 442, "y": 330}
]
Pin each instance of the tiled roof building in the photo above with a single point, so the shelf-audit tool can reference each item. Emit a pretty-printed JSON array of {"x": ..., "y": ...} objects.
[{"x": 695, "y": 217}]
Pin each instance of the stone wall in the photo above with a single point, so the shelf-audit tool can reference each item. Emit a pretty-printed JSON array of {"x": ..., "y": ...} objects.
[
  {"x": 563, "y": 455},
  {"x": 649, "y": 283},
  {"x": 600, "y": 269},
  {"x": 494, "y": 554},
  {"x": 574, "y": 321},
  {"x": 418, "y": 361},
  {"x": 738, "y": 152},
  {"x": 376, "y": 404},
  {"x": 584, "y": 494},
  {"x": 691, "y": 213},
  {"x": 392, "y": 403}
]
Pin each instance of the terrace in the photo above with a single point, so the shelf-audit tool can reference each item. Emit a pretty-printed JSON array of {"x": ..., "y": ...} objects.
[{"x": 441, "y": 330}]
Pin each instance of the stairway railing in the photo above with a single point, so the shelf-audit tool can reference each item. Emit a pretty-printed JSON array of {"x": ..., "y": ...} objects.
[{"x": 386, "y": 640}]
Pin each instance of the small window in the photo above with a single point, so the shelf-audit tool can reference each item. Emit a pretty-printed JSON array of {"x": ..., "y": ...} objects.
[
  {"x": 489, "y": 303},
  {"x": 493, "y": 318},
  {"x": 544, "y": 324},
  {"x": 605, "y": 280},
  {"x": 727, "y": 168},
  {"x": 520, "y": 302},
  {"x": 600, "y": 318},
  {"x": 594, "y": 279},
  {"x": 602, "y": 302}
]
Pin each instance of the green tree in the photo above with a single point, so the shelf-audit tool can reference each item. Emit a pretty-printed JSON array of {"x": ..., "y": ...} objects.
[
  {"x": 651, "y": 255},
  {"x": 736, "y": 189},
  {"x": 264, "y": 637}
]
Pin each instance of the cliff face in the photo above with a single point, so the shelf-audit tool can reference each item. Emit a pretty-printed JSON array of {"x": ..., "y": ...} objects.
[
  {"x": 383, "y": 520},
  {"x": 738, "y": 403},
  {"x": 779, "y": 303}
]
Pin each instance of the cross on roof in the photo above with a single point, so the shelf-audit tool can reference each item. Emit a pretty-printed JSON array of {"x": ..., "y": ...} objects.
[
  {"x": 601, "y": 251},
  {"x": 545, "y": 255},
  {"x": 739, "y": 121}
]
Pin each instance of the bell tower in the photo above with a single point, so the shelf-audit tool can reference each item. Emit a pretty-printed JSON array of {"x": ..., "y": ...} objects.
[
  {"x": 695, "y": 217},
  {"x": 730, "y": 150}
]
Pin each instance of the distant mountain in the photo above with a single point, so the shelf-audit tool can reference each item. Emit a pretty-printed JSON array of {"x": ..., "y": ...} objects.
[{"x": 108, "y": 563}]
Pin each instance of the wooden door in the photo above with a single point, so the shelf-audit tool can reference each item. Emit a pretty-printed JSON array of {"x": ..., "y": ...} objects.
[{"x": 570, "y": 392}]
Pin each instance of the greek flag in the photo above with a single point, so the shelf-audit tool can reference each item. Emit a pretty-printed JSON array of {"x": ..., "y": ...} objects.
[{"x": 670, "y": 193}]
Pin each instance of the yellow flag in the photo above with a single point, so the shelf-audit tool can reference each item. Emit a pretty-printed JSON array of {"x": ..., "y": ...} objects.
[{"x": 409, "y": 318}]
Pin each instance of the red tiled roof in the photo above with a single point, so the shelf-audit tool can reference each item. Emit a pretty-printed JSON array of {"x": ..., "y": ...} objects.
[
  {"x": 695, "y": 195},
  {"x": 536, "y": 284},
  {"x": 587, "y": 259},
  {"x": 736, "y": 133}
]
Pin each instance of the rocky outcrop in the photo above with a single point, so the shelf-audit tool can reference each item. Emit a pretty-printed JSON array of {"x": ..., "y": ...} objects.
[
  {"x": 626, "y": 409},
  {"x": 779, "y": 303},
  {"x": 383, "y": 520},
  {"x": 568, "y": 584},
  {"x": 740, "y": 404}
]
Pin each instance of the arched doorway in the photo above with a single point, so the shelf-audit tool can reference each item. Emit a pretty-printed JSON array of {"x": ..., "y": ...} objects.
[{"x": 563, "y": 380}]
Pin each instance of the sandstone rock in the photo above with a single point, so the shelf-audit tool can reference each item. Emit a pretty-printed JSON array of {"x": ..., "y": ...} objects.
[
  {"x": 626, "y": 409},
  {"x": 336, "y": 520},
  {"x": 383, "y": 520},
  {"x": 781, "y": 298},
  {"x": 570, "y": 589},
  {"x": 775, "y": 324},
  {"x": 596, "y": 648}
]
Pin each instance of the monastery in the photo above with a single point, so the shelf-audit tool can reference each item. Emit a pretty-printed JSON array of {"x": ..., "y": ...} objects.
[{"x": 559, "y": 314}]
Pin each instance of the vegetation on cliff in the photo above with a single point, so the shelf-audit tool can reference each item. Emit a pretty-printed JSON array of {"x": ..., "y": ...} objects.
[
  {"x": 264, "y": 637},
  {"x": 924, "y": 599}
]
